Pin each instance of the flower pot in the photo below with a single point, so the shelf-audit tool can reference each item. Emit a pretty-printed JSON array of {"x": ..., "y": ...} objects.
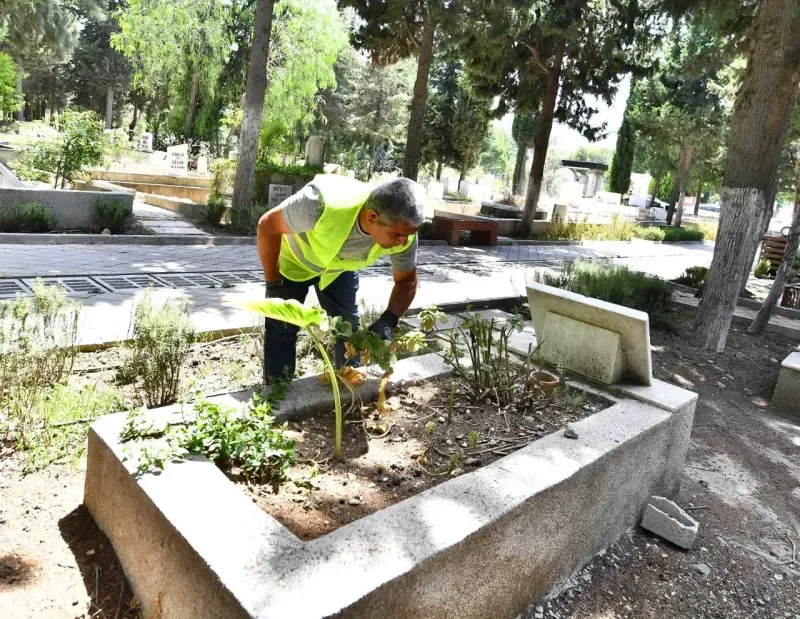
[{"x": 545, "y": 380}]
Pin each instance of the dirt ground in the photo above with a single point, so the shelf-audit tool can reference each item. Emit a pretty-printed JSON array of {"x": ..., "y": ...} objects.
[
  {"x": 413, "y": 447},
  {"x": 742, "y": 476}
]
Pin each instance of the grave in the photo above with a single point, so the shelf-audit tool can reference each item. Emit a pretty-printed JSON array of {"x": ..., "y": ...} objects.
[
  {"x": 145, "y": 142},
  {"x": 435, "y": 190},
  {"x": 278, "y": 193},
  {"x": 787, "y": 389},
  {"x": 315, "y": 149},
  {"x": 177, "y": 161},
  {"x": 202, "y": 165}
]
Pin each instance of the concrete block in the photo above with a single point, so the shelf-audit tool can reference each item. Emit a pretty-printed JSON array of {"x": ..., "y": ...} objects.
[
  {"x": 633, "y": 326},
  {"x": 71, "y": 209},
  {"x": 499, "y": 316},
  {"x": 588, "y": 350},
  {"x": 664, "y": 518},
  {"x": 787, "y": 390}
]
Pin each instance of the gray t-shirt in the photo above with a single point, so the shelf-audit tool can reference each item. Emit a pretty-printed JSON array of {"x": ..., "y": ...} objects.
[{"x": 302, "y": 210}]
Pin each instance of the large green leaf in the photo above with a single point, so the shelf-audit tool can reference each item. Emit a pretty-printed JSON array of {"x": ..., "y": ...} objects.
[{"x": 290, "y": 311}]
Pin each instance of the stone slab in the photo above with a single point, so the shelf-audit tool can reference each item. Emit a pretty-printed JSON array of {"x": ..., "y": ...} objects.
[
  {"x": 585, "y": 349},
  {"x": 787, "y": 389},
  {"x": 632, "y": 325},
  {"x": 664, "y": 518},
  {"x": 499, "y": 316},
  {"x": 71, "y": 208}
]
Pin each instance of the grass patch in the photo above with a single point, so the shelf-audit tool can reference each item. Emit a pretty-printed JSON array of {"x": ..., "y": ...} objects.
[
  {"x": 694, "y": 277},
  {"x": 618, "y": 230},
  {"x": 30, "y": 217}
]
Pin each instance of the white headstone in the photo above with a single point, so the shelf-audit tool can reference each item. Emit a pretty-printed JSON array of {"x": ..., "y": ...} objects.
[
  {"x": 278, "y": 193},
  {"x": 446, "y": 184},
  {"x": 435, "y": 190},
  {"x": 233, "y": 154},
  {"x": 178, "y": 160},
  {"x": 202, "y": 165},
  {"x": 314, "y": 151},
  {"x": 464, "y": 187},
  {"x": 559, "y": 213},
  {"x": 146, "y": 142}
]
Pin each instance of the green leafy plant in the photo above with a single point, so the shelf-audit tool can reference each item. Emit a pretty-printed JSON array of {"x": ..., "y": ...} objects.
[
  {"x": 430, "y": 316},
  {"x": 223, "y": 174},
  {"x": 649, "y": 233},
  {"x": 161, "y": 338},
  {"x": 425, "y": 231},
  {"x": 762, "y": 269},
  {"x": 213, "y": 210},
  {"x": 430, "y": 427},
  {"x": 617, "y": 230},
  {"x": 29, "y": 217},
  {"x": 112, "y": 214},
  {"x": 456, "y": 458},
  {"x": 473, "y": 438},
  {"x": 694, "y": 277}
]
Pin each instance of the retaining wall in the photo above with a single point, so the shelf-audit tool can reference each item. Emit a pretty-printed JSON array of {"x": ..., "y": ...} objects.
[{"x": 71, "y": 208}]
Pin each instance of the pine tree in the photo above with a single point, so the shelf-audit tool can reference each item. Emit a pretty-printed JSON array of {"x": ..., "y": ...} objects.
[
  {"x": 622, "y": 162},
  {"x": 470, "y": 126}
]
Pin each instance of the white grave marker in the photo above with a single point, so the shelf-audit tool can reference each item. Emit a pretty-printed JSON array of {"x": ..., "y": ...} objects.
[
  {"x": 146, "y": 142},
  {"x": 178, "y": 160},
  {"x": 202, "y": 165},
  {"x": 435, "y": 190},
  {"x": 559, "y": 213},
  {"x": 278, "y": 193}
]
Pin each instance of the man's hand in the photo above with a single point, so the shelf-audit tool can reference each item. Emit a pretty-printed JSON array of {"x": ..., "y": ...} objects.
[
  {"x": 277, "y": 290},
  {"x": 384, "y": 326}
]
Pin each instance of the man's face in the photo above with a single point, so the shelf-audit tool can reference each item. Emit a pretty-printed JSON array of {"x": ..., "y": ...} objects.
[{"x": 388, "y": 236}]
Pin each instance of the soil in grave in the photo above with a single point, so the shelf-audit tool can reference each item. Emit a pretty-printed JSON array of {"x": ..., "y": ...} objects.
[{"x": 388, "y": 458}]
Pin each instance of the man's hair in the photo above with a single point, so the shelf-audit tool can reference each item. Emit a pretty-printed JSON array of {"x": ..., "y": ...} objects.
[{"x": 398, "y": 200}]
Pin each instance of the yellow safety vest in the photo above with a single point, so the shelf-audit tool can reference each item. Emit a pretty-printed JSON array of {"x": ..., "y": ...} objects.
[{"x": 316, "y": 253}]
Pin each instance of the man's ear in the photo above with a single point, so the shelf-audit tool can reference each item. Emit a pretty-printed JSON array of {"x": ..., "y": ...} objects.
[{"x": 373, "y": 218}]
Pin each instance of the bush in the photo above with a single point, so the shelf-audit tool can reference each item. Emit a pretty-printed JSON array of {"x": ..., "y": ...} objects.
[
  {"x": 456, "y": 195},
  {"x": 649, "y": 234},
  {"x": 425, "y": 231},
  {"x": 618, "y": 230},
  {"x": 614, "y": 284},
  {"x": 30, "y": 217},
  {"x": 682, "y": 235},
  {"x": 223, "y": 174},
  {"x": 214, "y": 209},
  {"x": 112, "y": 214},
  {"x": 694, "y": 277},
  {"x": 762, "y": 269},
  {"x": 161, "y": 338}
]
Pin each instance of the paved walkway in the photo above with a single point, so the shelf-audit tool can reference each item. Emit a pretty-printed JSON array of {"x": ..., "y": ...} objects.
[
  {"x": 108, "y": 279},
  {"x": 163, "y": 221}
]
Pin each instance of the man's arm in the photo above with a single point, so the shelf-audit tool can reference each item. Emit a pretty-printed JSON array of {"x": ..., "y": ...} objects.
[
  {"x": 268, "y": 242},
  {"x": 404, "y": 291}
]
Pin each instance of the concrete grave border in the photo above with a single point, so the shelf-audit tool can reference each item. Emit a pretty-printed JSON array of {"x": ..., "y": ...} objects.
[
  {"x": 787, "y": 390},
  {"x": 484, "y": 544}
]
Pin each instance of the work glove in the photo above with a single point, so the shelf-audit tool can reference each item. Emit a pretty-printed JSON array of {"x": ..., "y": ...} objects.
[
  {"x": 277, "y": 290},
  {"x": 385, "y": 325}
]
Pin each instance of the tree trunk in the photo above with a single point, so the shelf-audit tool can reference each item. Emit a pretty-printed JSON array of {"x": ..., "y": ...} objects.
[
  {"x": 656, "y": 183},
  {"x": 541, "y": 142},
  {"x": 256, "y": 86},
  {"x": 784, "y": 271},
  {"x": 193, "y": 93},
  {"x": 21, "y": 111},
  {"x": 109, "y": 107},
  {"x": 758, "y": 130},
  {"x": 439, "y": 171},
  {"x": 685, "y": 166},
  {"x": 751, "y": 250},
  {"x": 414, "y": 137},
  {"x": 697, "y": 199},
  {"x": 132, "y": 126},
  {"x": 462, "y": 173},
  {"x": 519, "y": 170}
]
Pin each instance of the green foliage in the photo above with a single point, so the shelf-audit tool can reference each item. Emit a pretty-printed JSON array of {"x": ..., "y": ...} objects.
[
  {"x": 112, "y": 214},
  {"x": 430, "y": 316},
  {"x": 223, "y": 174},
  {"x": 649, "y": 234},
  {"x": 426, "y": 230},
  {"x": 614, "y": 284},
  {"x": 28, "y": 217},
  {"x": 213, "y": 210},
  {"x": 622, "y": 162},
  {"x": 38, "y": 339},
  {"x": 473, "y": 437},
  {"x": 682, "y": 235},
  {"x": 470, "y": 125},
  {"x": 10, "y": 101},
  {"x": 665, "y": 184},
  {"x": 593, "y": 154},
  {"x": 443, "y": 89},
  {"x": 161, "y": 338},
  {"x": 523, "y": 131},
  {"x": 497, "y": 152},
  {"x": 694, "y": 277},
  {"x": 618, "y": 230},
  {"x": 762, "y": 269}
]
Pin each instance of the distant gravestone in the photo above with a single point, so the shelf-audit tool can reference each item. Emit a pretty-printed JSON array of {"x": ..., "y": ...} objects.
[
  {"x": 315, "y": 148},
  {"x": 178, "y": 160},
  {"x": 146, "y": 142},
  {"x": 435, "y": 190},
  {"x": 464, "y": 187},
  {"x": 278, "y": 193},
  {"x": 446, "y": 184},
  {"x": 202, "y": 165},
  {"x": 559, "y": 213},
  {"x": 233, "y": 155}
]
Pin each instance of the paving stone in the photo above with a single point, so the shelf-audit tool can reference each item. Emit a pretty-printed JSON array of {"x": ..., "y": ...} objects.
[{"x": 664, "y": 518}]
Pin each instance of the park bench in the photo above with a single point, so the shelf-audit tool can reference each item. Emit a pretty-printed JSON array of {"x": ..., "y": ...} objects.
[{"x": 448, "y": 227}]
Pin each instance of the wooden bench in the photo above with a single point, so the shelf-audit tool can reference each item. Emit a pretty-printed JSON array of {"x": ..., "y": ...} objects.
[{"x": 448, "y": 227}]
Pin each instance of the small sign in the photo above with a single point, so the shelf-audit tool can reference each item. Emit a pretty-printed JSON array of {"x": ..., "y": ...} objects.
[
  {"x": 146, "y": 142},
  {"x": 278, "y": 193},
  {"x": 202, "y": 165},
  {"x": 178, "y": 160}
]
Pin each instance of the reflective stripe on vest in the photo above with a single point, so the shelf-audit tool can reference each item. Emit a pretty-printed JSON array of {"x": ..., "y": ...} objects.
[{"x": 315, "y": 253}]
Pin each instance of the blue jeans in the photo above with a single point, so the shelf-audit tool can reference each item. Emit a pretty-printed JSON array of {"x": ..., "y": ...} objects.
[{"x": 338, "y": 299}]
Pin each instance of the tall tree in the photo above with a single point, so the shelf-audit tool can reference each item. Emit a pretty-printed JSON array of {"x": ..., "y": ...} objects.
[
  {"x": 523, "y": 129},
  {"x": 551, "y": 55},
  {"x": 394, "y": 29},
  {"x": 470, "y": 125},
  {"x": 497, "y": 152},
  {"x": 10, "y": 101},
  {"x": 255, "y": 89},
  {"x": 442, "y": 98},
  {"x": 622, "y": 162},
  {"x": 759, "y": 125}
]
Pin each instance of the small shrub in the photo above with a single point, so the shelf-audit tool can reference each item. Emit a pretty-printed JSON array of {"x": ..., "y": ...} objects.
[
  {"x": 694, "y": 277},
  {"x": 30, "y": 217},
  {"x": 214, "y": 209},
  {"x": 161, "y": 338},
  {"x": 614, "y": 284},
  {"x": 762, "y": 269},
  {"x": 456, "y": 195},
  {"x": 112, "y": 214},
  {"x": 618, "y": 230},
  {"x": 682, "y": 235},
  {"x": 649, "y": 234},
  {"x": 223, "y": 174},
  {"x": 425, "y": 231}
]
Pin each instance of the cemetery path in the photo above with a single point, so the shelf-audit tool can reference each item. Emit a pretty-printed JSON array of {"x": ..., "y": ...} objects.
[{"x": 162, "y": 221}]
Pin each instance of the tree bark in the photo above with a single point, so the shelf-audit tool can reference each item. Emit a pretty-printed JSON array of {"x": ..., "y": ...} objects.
[
  {"x": 541, "y": 142},
  {"x": 784, "y": 270},
  {"x": 21, "y": 111},
  {"x": 414, "y": 136},
  {"x": 190, "y": 114},
  {"x": 656, "y": 183},
  {"x": 698, "y": 198},
  {"x": 109, "y": 107},
  {"x": 255, "y": 88},
  {"x": 751, "y": 248},
  {"x": 132, "y": 126},
  {"x": 519, "y": 169},
  {"x": 439, "y": 171},
  {"x": 684, "y": 167},
  {"x": 758, "y": 130}
]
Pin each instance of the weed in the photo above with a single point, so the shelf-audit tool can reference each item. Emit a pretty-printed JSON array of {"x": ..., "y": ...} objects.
[
  {"x": 161, "y": 340},
  {"x": 368, "y": 313},
  {"x": 682, "y": 235},
  {"x": 30, "y": 217},
  {"x": 762, "y": 269},
  {"x": 473, "y": 438},
  {"x": 649, "y": 234},
  {"x": 213, "y": 210},
  {"x": 426, "y": 231},
  {"x": 430, "y": 316},
  {"x": 694, "y": 277},
  {"x": 618, "y": 230},
  {"x": 430, "y": 427},
  {"x": 112, "y": 214},
  {"x": 456, "y": 459}
]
